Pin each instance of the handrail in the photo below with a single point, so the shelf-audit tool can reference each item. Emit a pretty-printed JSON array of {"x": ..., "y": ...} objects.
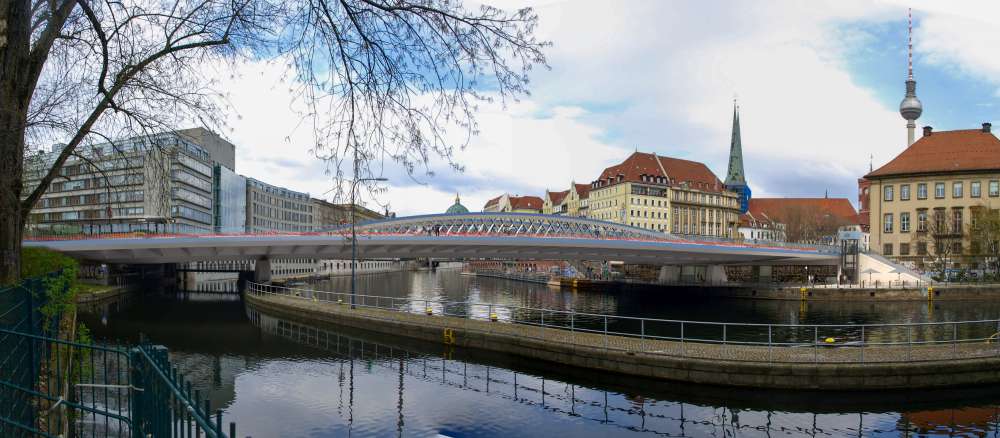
[{"x": 924, "y": 341}]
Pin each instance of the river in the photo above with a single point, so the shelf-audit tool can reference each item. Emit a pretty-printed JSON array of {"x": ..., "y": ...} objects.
[{"x": 277, "y": 378}]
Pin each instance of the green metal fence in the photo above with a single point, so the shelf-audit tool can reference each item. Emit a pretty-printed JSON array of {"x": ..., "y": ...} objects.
[{"x": 54, "y": 387}]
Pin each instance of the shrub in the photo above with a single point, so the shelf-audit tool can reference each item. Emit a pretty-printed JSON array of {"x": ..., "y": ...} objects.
[{"x": 60, "y": 288}]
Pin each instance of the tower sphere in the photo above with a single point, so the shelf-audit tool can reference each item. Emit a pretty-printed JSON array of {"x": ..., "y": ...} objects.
[{"x": 911, "y": 108}]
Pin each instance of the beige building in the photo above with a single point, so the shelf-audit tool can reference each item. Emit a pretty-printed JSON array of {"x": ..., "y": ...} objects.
[
  {"x": 555, "y": 202},
  {"x": 578, "y": 200},
  {"x": 926, "y": 196},
  {"x": 665, "y": 194}
]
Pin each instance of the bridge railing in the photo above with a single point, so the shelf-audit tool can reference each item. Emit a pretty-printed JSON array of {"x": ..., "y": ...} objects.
[{"x": 749, "y": 342}]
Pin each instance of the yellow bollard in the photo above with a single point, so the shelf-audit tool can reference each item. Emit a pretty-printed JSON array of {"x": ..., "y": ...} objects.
[
  {"x": 830, "y": 340},
  {"x": 429, "y": 310},
  {"x": 803, "y": 292},
  {"x": 493, "y": 316},
  {"x": 930, "y": 293}
]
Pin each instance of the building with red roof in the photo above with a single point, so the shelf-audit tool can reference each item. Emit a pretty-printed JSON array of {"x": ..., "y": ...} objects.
[
  {"x": 555, "y": 202},
  {"x": 922, "y": 202},
  {"x": 514, "y": 204},
  {"x": 664, "y": 194}
]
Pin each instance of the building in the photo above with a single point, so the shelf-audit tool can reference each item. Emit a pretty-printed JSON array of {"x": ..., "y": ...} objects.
[
  {"x": 925, "y": 198},
  {"x": 328, "y": 215},
  {"x": 760, "y": 227},
  {"x": 273, "y": 208},
  {"x": 664, "y": 194},
  {"x": 156, "y": 183},
  {"x": 577, "y": 202},
  {"x": 221, "y": 150},
  {"x": 806, "y": 220},
  {"x": 230, "y": 197},
  {"x": 735, "y": 177},
  {"x": 457, "y": 207},
  {"x": 555, "y": 202},
  {"x": 506, "y": 203}
]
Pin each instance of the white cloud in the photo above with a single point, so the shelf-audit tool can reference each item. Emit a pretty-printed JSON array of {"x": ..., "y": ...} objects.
[{"x": 657, "y": 76}]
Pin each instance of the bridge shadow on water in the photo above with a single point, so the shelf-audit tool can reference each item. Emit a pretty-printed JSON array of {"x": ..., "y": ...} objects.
[{"x": 279, "y": 377}]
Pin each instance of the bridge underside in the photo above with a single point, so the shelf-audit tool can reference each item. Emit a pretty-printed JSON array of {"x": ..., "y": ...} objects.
[{"x": 187, "y": 249}]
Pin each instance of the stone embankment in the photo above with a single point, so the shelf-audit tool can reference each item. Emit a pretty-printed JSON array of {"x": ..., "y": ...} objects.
[{"x": 839, "y": 367}]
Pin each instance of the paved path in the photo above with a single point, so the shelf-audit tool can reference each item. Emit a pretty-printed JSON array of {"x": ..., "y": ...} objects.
[{"x": 636, "y": 345}]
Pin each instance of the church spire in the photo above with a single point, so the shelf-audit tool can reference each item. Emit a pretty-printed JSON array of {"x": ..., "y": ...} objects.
[{"x": 735, "y": 175}]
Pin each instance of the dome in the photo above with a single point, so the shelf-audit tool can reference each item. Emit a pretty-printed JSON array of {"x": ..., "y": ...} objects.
[{"x": 457, "y": 208}]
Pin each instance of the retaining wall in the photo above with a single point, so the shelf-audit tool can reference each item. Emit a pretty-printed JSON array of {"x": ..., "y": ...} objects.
[{"x": 485, "y": 335}]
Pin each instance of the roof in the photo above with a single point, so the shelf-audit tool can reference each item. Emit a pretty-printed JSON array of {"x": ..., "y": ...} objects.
[
  {"x": 946, "y": 151},
  {"x": 493, "y": 201},
  {"x": 525, "y": 203},
  {"x": 777, "y": 208},
  {"x": 582, "y": 190},
  {"x": 679, "y": 171},
  {"x": 557, "y": 197},
  {"x": 760, "y": 220}
]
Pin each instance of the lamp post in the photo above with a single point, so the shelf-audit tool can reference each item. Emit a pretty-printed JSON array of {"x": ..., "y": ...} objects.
[{"x": 354, "y": 235}]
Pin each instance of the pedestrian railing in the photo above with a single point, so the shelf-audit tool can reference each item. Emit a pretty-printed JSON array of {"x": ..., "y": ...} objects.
[
  {"x": 749, "y": 342},
  {"x": 54, "y": 387}
]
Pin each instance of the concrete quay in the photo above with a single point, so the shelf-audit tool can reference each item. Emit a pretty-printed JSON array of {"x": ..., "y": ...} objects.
[{"x": 751, "y": 366}]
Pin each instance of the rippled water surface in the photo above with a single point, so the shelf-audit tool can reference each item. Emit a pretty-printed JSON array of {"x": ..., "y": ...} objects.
[{"x": 282, "y": 378}]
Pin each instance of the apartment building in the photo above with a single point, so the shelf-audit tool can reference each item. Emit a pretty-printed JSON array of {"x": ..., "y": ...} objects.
[{"x": 273, "y": 208}]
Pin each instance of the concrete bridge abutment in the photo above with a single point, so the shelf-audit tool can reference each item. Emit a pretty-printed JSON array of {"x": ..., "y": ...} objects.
[{"x": 262, "y": 270}]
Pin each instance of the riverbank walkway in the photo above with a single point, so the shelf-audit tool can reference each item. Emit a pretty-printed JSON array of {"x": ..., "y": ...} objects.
[{"x": 890, "y": 355}]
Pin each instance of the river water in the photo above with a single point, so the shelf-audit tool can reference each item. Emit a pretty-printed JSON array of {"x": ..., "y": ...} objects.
[{"x": 277, "y": 378}]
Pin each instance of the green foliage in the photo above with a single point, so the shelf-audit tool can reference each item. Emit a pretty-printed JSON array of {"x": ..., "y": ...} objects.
[{"x": 58, "y": 276}]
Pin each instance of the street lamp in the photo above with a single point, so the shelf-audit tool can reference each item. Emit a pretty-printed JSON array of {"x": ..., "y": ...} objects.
[{"x": 354, "y": 236}]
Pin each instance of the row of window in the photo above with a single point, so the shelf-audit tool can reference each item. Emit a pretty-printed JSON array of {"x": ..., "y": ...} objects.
[
  {"x": 921, "y": 248},
  {"x": 957, "y": 190},
  {"x": 940, "y": 223}
]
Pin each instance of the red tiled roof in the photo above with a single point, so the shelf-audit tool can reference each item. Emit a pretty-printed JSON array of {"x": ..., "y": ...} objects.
[
  {"x": 558, "y": 197},
  {"x": 776, "y": 208},
  {"x": 695, "y": 174},
  {"x": 493, "y": 201},
  {"x": 946, "y": 151},
  {"x": 525, "y": 203},
  {"x": 582, "y": 190}
]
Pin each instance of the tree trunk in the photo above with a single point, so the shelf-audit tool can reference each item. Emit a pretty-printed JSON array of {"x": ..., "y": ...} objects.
[{"x": 15, "y": 95}]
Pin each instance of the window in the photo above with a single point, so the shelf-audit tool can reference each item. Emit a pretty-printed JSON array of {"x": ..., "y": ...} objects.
[
  {"x": 904, "y": 192},
  {"x": 887, "y": 191},
  {"x": 956, "y": 190},
  {"x": 921, "y": 220},
  {"x": 975, "y": 189},
  {"x": 939, "y": 220},
  {"x": 994, "y": 189},
  {"x": 939, "y": 190},
  {"x": 922, "y": 191},
  {"x": 956, "y": 221},
  {"x": 904, "y": 224},
  {"x": 887, "y": 249},
  {"x": 956, "y": 248},
  {"x": 921, "y": 248},
  {"x": 887, "y": 223},
  {"x": 904, "y": 249}
]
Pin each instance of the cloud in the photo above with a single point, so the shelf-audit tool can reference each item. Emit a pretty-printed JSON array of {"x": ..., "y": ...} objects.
[{"x": 659, "y": 77}]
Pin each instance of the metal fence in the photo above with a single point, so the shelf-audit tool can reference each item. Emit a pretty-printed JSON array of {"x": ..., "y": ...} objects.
[
  {"x": 749, "y": 342},
  {"x": 52, "y": 387}
]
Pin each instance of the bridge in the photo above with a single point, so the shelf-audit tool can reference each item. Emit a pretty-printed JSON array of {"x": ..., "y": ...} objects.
[{"x": 453, "y": 236}]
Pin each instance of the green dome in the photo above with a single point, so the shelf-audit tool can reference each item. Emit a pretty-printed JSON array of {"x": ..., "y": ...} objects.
[{"x": 457, "y": 208}]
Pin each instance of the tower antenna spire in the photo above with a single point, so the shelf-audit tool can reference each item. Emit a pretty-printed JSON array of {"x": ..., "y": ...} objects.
[{"x": 909, "y": 43}]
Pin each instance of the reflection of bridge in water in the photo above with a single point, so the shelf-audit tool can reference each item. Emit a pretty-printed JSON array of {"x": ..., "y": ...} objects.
[{"x": 635, "y": 413}]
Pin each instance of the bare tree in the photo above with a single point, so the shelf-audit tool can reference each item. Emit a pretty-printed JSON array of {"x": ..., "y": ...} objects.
[
  {"x": 385, "y": 80},
  {"x": 943, "y": 239},
  {"x": 805, "y": 224},
  {"x": 984, "y": 237}
]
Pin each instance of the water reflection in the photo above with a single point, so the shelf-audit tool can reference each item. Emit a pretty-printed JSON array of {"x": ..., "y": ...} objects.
[{"x": 283, "y": 378}]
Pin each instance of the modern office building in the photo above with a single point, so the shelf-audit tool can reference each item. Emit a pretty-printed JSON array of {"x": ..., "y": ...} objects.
[
  {"x": 157, "y": 183},
  {"x": 273, "y": 208},
  {"x": 230, "y": 196}
]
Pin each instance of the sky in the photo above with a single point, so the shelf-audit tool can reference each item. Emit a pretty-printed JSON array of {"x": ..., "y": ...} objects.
[{"x": 818, "y": 85}]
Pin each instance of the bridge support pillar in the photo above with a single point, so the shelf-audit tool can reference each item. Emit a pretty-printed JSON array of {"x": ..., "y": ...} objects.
[
  {"x": 669, "y": 274},
  {"x": 763, "y": 273},
  {"x": 262, "y": 271},
  {"x": 715, "y": 274}
]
